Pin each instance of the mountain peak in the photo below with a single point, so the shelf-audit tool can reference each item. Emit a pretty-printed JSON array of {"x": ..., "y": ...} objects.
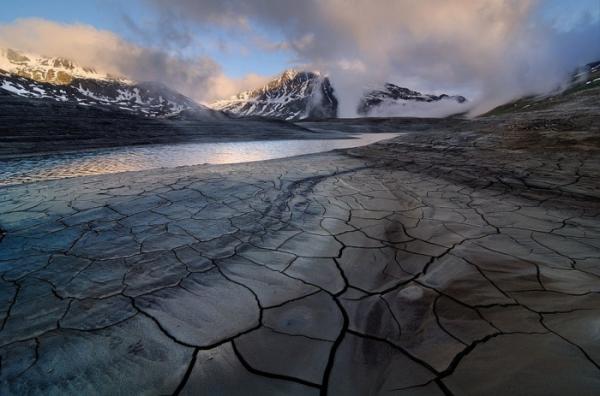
[
  {"x": 46, "y": 69},
  {"x": 289, "y": 74},
  {"x": 293, "y": 95},
  {"x": 397, "y": 100},
  {"x": 62, "y": 80}
]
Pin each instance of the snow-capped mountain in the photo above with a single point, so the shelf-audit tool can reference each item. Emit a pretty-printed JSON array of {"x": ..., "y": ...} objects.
[
  {"x": 294, "y": 95},
  {"x": 60, "y": 79},
  {"x": 298, "y": 95},
  {"x": 395, "y": 100},
  {"x": 55, "y": 70}
]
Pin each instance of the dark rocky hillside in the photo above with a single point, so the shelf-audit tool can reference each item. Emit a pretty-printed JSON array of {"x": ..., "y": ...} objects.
[{"x": 30, "y": 126}]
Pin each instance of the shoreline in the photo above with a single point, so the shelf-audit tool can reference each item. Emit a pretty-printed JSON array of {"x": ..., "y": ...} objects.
[
  {"x": 348, "y": 136},
  {"x": 202, "y": 140}
]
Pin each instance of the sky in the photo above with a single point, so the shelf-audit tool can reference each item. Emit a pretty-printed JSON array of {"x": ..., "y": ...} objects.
[
  {"x": 230, "y": 50},
  {"x": 488, "y": 50}
]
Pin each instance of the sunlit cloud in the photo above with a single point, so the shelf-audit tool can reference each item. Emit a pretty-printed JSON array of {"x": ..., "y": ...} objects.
[
  {"x": 199, "y": 77},
  {"x": 490, "y": 50}
]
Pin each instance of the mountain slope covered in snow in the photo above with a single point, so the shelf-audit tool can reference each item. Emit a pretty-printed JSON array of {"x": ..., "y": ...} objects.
[
  {"x": 62, "y": 80},
  {"x": 296, "y": 95},
  {"x": 293, "y": 95}
]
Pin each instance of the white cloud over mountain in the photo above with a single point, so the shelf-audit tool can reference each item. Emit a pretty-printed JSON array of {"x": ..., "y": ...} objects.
[
  {"x": 200, "y": 78},
  {"x": 494, "y": 49},
  {"x": 488, "y": 50}
]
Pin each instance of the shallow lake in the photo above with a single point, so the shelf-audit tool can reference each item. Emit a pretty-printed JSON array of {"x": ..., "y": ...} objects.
[{"x": 121, "y": 159}]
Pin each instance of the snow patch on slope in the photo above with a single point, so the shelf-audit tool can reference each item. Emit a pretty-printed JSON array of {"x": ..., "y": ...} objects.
[
  {"x": 293, "y": 95},
  {"x": 49, "y": 69},
  {"x": 395, "y": 101},
  {"x": 60, "y": 79}
]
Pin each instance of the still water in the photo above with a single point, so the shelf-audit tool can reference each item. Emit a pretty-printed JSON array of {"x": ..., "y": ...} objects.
[{"x": 95, "y": 162}]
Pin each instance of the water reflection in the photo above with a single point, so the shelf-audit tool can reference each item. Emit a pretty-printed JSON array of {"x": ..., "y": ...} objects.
[{"x": 165, "y": 156}]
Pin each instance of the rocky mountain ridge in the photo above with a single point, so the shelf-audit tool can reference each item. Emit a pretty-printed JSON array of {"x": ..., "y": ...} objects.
[
  {"x": 297, "y": 95},
  {"x": 62, "y": 80},
  {"x": 293, "y": 95},
  {"x": 392, "y": 95}
]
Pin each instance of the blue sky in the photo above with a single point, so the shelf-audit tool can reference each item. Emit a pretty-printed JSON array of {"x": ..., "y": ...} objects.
[
  {"x": 232, "y": 51},
  {"x": 568, "y": 13}
]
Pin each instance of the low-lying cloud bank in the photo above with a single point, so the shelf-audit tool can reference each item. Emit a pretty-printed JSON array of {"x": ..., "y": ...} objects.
[
  {"x": 200, "y": 78},
  {"x": 443, "y": 108},
  {"x": 489, "y": 50}
]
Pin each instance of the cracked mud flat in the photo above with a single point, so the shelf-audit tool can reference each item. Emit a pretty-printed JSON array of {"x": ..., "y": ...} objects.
[{"x": 432, "y": 264}]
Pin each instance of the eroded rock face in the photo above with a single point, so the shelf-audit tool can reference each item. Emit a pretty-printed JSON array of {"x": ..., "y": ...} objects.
[{"x": 408, "y": 267}]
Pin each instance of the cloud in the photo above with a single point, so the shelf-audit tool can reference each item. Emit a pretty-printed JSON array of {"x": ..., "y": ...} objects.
[
  {"x": 489, "y": 50},
  {"x": 442, "y": 108},
  {"x": 226, "y": 87},
  {"x": 200, "y": 78}
]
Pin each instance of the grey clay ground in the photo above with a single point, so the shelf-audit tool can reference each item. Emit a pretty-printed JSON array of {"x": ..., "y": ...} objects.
[{"x": 438, "y": 263}]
